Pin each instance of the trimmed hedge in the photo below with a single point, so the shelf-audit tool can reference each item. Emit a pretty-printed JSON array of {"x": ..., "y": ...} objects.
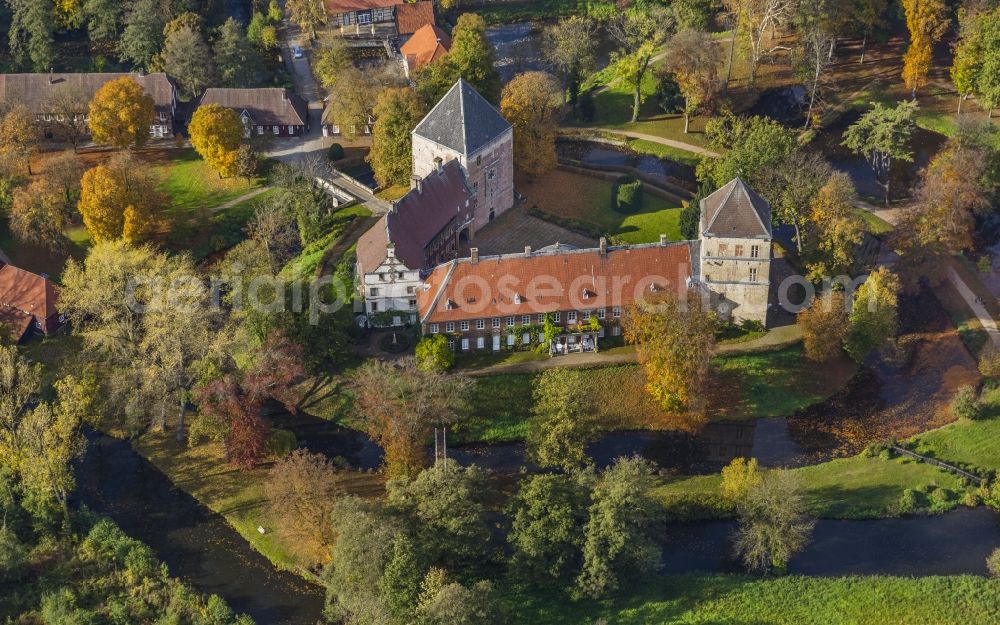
[
  {"x": 628, "y": 195},
  {"x": 336, "y": 152}
]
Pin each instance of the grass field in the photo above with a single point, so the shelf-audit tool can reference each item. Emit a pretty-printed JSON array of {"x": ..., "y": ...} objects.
[
  {"x": 40, "y": 259},
  {"x": 792, "y": 600},
  {"x": 236, "y": 495},
  {"x": 846, "y": 488},
  {"x": 873, "y": 223},
  {"x": 974, "y": 445},
  {"x": 659, "y": 150},
  {"x": 193, "y": 186},
  {"x": 571, "y": 197},
  {"x": 743, "y": 387}
]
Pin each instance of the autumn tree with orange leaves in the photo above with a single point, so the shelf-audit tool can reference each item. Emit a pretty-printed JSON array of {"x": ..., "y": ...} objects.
[
  {"x": 674, "y": 338},
  {"x": 530, "y": 103}
]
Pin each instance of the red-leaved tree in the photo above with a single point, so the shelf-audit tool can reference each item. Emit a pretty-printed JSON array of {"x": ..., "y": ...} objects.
[{"x": 237, "y": 398}]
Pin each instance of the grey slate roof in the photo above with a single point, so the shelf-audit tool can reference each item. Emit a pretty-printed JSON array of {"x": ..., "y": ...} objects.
[
  {"x": 35, "y": 90},
  {"x": 266, "y": 106},
  {"x": 736, "y": 211},
  {"x": 463, "y": 120}
]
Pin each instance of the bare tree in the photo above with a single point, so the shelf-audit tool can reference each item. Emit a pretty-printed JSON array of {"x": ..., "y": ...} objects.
[{"x": 758, "y": 21}]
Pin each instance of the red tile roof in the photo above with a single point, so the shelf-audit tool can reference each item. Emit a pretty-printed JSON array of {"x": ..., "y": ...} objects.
[
  {"x": 519, "y": 284},
  {"x": 24, "y": 298},
  {"x": 426, "y": 45},
  {"x": 412, "y": 17}
]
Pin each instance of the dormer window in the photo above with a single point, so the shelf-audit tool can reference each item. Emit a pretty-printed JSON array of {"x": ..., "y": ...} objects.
[
  {"x": 450, "y": 305},
  {"x": 517, "y": 298}
]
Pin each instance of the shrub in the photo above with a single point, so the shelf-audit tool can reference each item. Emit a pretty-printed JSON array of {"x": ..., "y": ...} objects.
[
  {"x": 993, "y": 563},
  {"x": 966, "y": 404},
  {"x": 628, "y": 195},
  {"x": 433, "y": 354},
  {"x": 940, "y": 499},
  {"x": 989, "y": 362},
  {"x": 281, "y": 443},
  {"x": 909, "y": 501},
  {"x": 669, "y": 96},
  {"x": 336, "y": 152}
]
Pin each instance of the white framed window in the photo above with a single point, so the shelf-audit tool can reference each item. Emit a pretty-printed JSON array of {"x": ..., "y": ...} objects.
[
  {"x": 601, "y": 313},
  {"x": 557, "y": 317},
  {"x": 525, "y": 320},
  {"x": 410, "y": 290},
  {"x": 366, "y": 18},
  {"x": 753, "y": 274},
  {"x": 526, "y": 338},
  {"x": 434, "y": 328},
  {"x": 496, "y": 322},
  {"x": 451, "y": 344},
  {"x": 465, "y": 345},
  {"x": 510, "y": 340},
  {"x": 373, "y": 292},
  {"x": 510, "y": 321},
  {"x": 586, "y": 315},
  {"x": 541, "y": 318},
  {"x": 616, "y": 312},
  {"x": 334, "y": 129},
  {"x": 571, "y": 316},
  {"x": 754, "y": 251},
  {"x": 260, "y": 130},
  {"x": 480, "y": 343},
  {"x": 291, "y": 130},
  {"x": 449, "y": 327},
  {"x": 276, "y": 129},
  {"x": 465, "y": 326},
  {"x": 616, "y": 331},
  {"x": 480, "y": 324}
]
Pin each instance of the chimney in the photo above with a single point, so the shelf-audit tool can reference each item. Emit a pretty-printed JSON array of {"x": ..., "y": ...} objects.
[
  {"x": 438, "y": 164},
  {"x": 663, "y": 240},
  {"x": 474, "y": 253},
  {"x": 417, "y": 183},
  {"x": 527, "y": 250},
  {"x": 603, "y": 245}
]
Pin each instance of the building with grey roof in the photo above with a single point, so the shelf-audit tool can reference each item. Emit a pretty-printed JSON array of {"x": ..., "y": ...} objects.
[
  {"x": 465, "y": 127},
  {"x": 735, "y": 251}
]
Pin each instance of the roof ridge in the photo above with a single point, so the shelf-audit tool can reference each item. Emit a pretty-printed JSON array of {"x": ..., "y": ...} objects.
[
  {"x": 461, "y": 103},
  {"x": 434, "y": 108},
  {"x": 756, "y": 212},
  {"x": 734, "y": 183},
  {"x": 441, "y": 288}
]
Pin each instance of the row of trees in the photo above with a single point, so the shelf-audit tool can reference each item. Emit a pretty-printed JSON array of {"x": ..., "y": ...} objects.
[{"x": 195, "y": 44}]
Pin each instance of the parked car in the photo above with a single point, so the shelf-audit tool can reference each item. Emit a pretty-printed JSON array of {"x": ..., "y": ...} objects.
[{"x": 296, "y": 52}]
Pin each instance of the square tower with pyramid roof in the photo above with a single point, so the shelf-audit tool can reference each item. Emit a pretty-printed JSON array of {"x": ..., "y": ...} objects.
[
  {"x": 466, "y": 128},
  {"x": 735, "y": 255}
]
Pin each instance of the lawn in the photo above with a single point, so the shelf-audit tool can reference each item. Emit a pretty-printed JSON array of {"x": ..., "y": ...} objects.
[
  {"x": 791, "y": 600},
  {"x": 744, "y": 386},
  {"x": 773, "y": 384},
  {"x": 873, "y": 223},
  {"x": 193, "y": 186},
  {"x": 584, "y": 203},
  {"x": 974, "y": 445},
  {"x": 236, "y": 495},
  {"x": 846, "y": 488},
  {"x": 641, "y": 146},
  {"x": 308, "y": 260}
]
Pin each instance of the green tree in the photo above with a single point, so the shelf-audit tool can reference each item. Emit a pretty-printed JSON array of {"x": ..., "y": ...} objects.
[
  {"x": 753, "y": 147},
  {"x": 548, "y": 516},
  {"x": 564, "y": 422},
  {"x": 882, "y": 135},
  {"x": 690, "y": 220},
  {"x": 30, "y": 35},
  {"x": 621, "y": 538},
  {"x": 739, "y": 477},
  {"x": 397, "y": 113},
  {"x": 479, "y": 604},
  {"x": 262, "y": 32},
  {"x": 104, "y": 20},
  {"x": 39, "y": 214},
  {"x": 142, "y": 37},
  {"x": 238, "y": 62},
  {"x": 447, "y": 505},
  {"x": 364, "y": 543},
  {"x": 187, "y": 58},
  {"x": 773, "y": 524},
  {"x": 473, "y": 57},
  {"x": 639, "y": 33},
  {"x": 874, "y": 317},
  {"x": 19, "y": 138},
  {"x": 694, "y": 60},
  {"x": 433, "y": 353},
  {"x": 791, "y": 188},
  {"x": 571, "y": 47}
]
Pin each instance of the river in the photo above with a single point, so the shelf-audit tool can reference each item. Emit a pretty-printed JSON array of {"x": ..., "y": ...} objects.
[{"x": 197, "y": 544}]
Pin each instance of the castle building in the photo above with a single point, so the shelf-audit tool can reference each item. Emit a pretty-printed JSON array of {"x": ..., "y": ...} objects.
[
  {"x": 735, "y": 251},
  {"x": 464, "y": 127}
]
